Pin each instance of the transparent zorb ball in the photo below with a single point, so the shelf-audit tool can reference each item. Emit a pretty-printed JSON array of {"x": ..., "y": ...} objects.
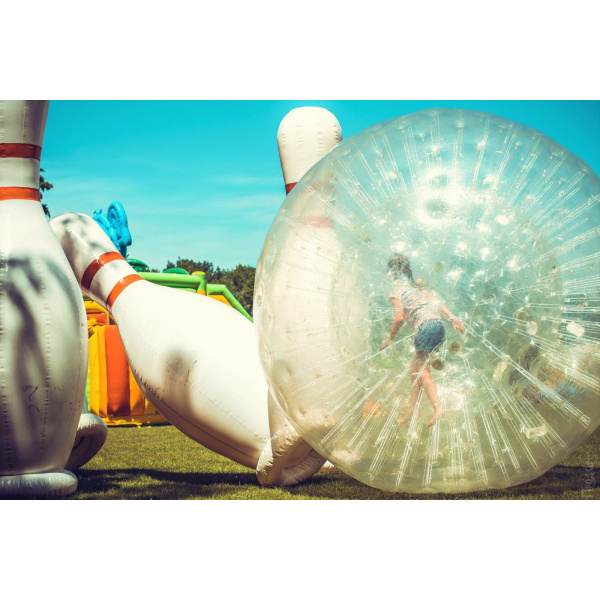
[{"x": 500, "y": 225}]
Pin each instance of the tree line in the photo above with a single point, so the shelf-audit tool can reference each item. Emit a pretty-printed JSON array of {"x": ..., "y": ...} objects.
[{"x": 239, "y": 280}]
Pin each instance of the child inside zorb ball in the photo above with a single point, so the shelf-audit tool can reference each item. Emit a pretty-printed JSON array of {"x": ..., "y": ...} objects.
[{"x": 422, "y": 311}]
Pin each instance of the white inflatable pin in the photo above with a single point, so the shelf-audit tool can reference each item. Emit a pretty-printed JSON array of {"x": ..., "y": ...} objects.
[
  {"x": 43, "y": 333},
  {"x": 195, "y": 359},
  {"x": 305, "y": 135}
]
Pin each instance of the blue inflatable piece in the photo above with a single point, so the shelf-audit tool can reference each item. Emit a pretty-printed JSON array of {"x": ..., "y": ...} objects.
[{"x": 115, "y": 226}]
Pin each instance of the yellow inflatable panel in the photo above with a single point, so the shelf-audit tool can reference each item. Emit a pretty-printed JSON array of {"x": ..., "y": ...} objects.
[{"x": 114, "y": 395}]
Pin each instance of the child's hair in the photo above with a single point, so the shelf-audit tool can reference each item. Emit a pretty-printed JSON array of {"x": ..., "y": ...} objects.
[{"x": 399, "y": 265}]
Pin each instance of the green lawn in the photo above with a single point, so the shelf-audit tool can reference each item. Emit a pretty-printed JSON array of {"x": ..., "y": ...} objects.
[{"x": 161, "y": 463}]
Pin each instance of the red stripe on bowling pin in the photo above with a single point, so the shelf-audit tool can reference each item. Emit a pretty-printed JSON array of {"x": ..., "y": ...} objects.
[
  {"x": 120, "y": 286},
  {"x": 95, "y": 266},
  {"x": 19, "y": 193},
  {"x": 17, "y": 150}
]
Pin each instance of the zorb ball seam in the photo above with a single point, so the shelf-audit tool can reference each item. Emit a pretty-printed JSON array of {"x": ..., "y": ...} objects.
[{"x": 499, "y": 227}]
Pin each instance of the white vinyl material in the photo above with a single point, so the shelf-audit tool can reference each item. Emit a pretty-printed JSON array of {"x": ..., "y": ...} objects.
[
  {"x": 89, "y": 440},
  {"x": 43, "y": 333},
  {"x": 305, "y": 135},
  {"x": 196, "y": 360},
  {"x": 38, "y": 486}
]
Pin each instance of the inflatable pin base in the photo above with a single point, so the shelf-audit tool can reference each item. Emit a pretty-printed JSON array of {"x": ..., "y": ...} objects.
[
  {"x": 288, "y": 460},
  {"x": 285, "y": 459},
  {"x": 90, "y": 437},
  {"x": 38, "y": 486},
  {"x": 329, "y": 467}
]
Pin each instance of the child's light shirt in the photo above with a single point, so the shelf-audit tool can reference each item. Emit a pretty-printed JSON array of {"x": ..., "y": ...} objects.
[{"x": 417, "y": 303}]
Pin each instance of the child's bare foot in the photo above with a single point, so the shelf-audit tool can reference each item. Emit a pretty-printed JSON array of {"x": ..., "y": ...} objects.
[
  {"x": 408, "y": 416},
  {"x": 371, "y": 410},
  {"x": 438, "y": 411}
]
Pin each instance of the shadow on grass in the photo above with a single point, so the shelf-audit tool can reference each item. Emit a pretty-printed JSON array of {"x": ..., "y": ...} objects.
[
  {"x": 561, "y": 482},
  {"x": 157, "y": 485},
  {"x": 161, "y": 463}
]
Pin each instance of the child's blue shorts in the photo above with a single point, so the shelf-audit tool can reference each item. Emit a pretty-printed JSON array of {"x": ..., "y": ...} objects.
[{"x": 430, "y": 334}]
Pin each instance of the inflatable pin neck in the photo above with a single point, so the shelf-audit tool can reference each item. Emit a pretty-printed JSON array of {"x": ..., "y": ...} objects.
[
  {"x": 94, "y": 267},
  {"x": 22, "y": 151}
]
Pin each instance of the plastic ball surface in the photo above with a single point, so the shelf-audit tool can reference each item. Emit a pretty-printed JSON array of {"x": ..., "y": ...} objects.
[{"x": 496, "y": 229}]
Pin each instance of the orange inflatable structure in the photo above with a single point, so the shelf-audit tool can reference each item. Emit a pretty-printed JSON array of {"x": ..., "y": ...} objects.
[{"x": 112, "y": 391}]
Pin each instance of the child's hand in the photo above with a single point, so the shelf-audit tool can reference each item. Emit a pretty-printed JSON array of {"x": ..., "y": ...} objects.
[
  {"x": 458, "y": 326},
  {"x": 386, "y": 344}
]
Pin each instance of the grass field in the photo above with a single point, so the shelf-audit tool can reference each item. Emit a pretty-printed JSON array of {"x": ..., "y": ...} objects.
[{"x": 161, "y": 463}]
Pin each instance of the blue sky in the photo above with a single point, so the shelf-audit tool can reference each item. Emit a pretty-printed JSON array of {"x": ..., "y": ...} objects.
[{"x": 202, "y": 179}]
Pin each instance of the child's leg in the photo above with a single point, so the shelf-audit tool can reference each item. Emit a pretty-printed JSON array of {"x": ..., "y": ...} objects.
[
  {"x": 416, "y": 368},
  {"x": 429, "y": 336},
  {"x": 431, "y": 391}
]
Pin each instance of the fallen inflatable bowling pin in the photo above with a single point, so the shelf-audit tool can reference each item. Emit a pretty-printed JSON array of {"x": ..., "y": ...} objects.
[
  {"x": 196, "y": 360},
  {"x": 43, "y": 337}
]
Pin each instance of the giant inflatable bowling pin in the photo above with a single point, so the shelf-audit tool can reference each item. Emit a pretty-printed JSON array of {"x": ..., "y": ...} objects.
[
  {"x": 195, "y": 359},
  {"x": 304, "y": 137},
  {"x": 43, "y": 333}
]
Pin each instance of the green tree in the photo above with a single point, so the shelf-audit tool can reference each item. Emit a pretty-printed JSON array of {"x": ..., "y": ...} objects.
[
  {"x": 191, "y": 265},
  {"x": 239, "y": 281},
  {"x": 44, "y": 187}
]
